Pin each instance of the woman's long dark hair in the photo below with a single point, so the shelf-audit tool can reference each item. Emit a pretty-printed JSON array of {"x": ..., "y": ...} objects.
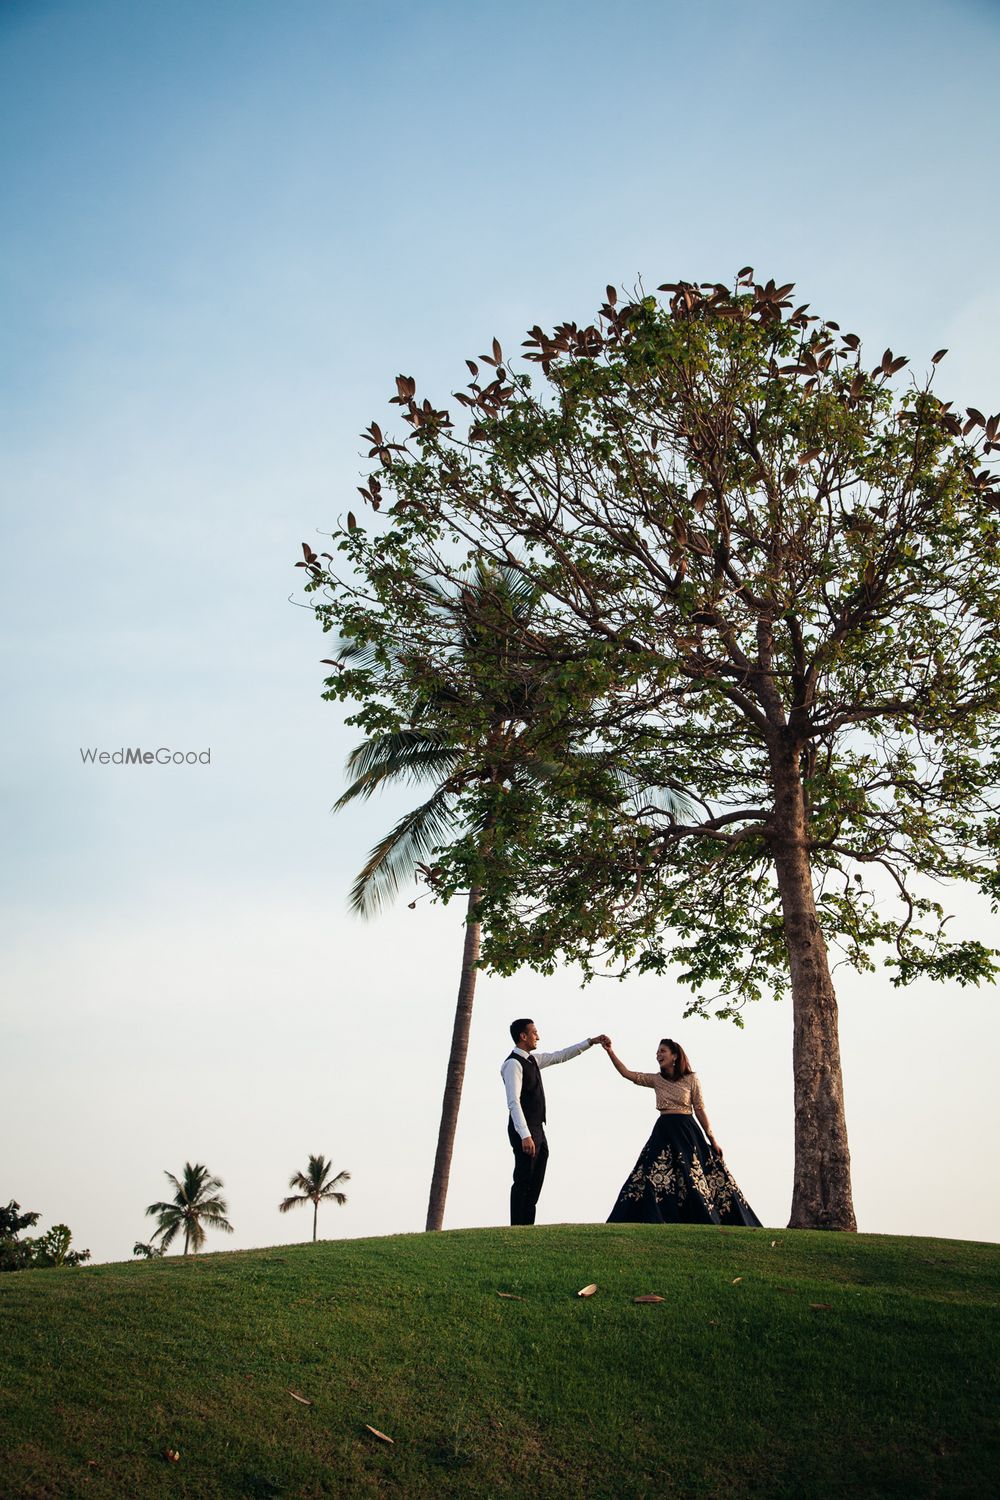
[{"x": 681, "y": 1066}]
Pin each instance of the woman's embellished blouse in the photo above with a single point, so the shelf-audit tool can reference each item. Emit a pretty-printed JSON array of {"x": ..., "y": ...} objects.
[{"x": 673, "y": 1095}]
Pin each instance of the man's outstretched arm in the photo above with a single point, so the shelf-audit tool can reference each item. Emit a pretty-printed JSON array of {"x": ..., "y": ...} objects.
[{"x": 547, "y": 1059}]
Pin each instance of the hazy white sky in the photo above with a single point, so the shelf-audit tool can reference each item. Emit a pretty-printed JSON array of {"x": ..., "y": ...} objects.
[{"x": 226, "y": 229}]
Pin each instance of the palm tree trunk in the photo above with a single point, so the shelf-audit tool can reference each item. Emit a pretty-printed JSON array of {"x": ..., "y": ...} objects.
[
  {"x": 315, "y": 1214},
  {"x": 456, "y": 1069}
]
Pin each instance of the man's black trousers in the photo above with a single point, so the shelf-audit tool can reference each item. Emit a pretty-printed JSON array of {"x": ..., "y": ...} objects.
[{"x": 529, "y": 1174}]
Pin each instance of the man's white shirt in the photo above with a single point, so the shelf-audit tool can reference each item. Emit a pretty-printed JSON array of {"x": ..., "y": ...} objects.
[{"x": 512, "y": 1073}]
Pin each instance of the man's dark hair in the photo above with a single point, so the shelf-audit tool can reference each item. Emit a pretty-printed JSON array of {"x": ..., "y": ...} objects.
[{"x": 516, "y": 1027}]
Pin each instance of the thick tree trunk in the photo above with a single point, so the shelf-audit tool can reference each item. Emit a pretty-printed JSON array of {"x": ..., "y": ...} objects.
[
  {"x": 821, "y": 1197},
  {"x": 456, "y": 1070}
]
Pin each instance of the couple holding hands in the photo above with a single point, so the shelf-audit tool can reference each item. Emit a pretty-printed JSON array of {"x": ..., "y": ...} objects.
[{"x": 680, "y": 1177}]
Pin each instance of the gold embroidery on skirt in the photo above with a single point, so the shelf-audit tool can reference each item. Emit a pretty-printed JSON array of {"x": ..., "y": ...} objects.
[{"x": 716, "y": 1187}]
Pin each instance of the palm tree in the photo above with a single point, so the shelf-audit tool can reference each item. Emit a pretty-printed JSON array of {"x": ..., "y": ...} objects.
[
  {"x": 315, "y": 1186},
  {"x": 195, "y": 1200},
  {"x": 501, "y": 668}
]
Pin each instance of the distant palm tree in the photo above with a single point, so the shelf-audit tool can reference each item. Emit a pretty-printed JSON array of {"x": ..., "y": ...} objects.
[
  {"x": 315, "y": 1186},
  {"x": 195, "y": 1200}
]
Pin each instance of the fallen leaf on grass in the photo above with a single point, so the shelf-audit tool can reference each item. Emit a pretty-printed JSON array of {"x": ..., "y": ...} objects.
[
  {"x": 713, "y": 1322},
  {"x": 775, "y": 1242},
  {"x": 380, "y": 1435},
  {"x": 296, "y": 1397},
  {"x": 510, "y": 1296},
  {"x": 172, "y": 1454},
  {"x": 650, "y": 1298},
  {"x": 822, "y": 1306},
  {"x": 736, "y": 1280},
  {"x": 587, "y": 1291}
]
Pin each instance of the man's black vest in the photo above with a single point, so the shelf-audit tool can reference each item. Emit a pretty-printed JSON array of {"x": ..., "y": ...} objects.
[{"x": 532, "y": 1093}]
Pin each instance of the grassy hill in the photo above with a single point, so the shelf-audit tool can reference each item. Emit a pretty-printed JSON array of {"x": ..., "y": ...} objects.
[{"x": 819, "y": 1365}]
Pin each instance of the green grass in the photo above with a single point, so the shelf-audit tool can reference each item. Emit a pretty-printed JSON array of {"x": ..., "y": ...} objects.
[{"x": 727, "y": 1388}]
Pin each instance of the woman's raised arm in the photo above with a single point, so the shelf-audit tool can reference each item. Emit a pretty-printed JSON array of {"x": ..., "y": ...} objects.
[{"x": 616, "y": 1060}]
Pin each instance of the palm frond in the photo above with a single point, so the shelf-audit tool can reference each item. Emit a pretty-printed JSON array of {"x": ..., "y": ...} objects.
[
  {"x": 640, "y": 794},
  {"x": 362, "y": 654},
  {"x": 388, "y": 749},
  {"x": 655, "y": 798},
  {"x": 509, "y": 587},
  {"x": 410, "y": 843},
  {"x": 167, "y": 1233},
  {"x": 409, "y": 755},
  {"x": 287, "y": 1203},
  {"x": 340, "y": 1177},
  {"x": 212, "y": 1208},
  {"x": 198, "y": 1180}
]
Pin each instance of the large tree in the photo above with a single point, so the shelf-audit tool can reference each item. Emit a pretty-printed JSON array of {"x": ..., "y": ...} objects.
[{"x": 770, "y": 578}]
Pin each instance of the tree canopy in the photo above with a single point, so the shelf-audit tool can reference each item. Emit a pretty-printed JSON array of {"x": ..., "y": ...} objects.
[{"x": 49, "y": 1249}]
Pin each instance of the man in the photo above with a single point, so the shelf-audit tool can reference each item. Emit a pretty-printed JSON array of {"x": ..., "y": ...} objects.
[{"x": 521, "y": 1073}]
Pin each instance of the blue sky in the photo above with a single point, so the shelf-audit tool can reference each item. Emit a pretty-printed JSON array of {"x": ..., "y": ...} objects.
[{"x": 226, "y": 228}]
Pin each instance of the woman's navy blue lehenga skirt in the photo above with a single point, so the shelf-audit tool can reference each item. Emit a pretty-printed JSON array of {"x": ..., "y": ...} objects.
[{"x": 678, "y": 1179}]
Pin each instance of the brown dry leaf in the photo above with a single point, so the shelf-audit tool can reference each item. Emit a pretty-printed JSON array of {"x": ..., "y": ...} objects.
[
  {"x": 713, "y": 1322},
  {"x": 296, "y": 1397},
  {"x": 380, "y": 1435},
  {"x": 587, "y": 1291},
  {"x": 651, "y": 1297},
  {"x": 510, "y": 1296},
  {"x": 172, "y": 1455},
  {"x": 775, "y": 1242},
  {"x": 736, "y": 1280},
  {"x": 822, "y": 1306}
]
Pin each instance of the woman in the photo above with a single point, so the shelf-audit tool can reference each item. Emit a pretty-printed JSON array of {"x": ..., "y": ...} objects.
[{"x": 678, "y": 1179}]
